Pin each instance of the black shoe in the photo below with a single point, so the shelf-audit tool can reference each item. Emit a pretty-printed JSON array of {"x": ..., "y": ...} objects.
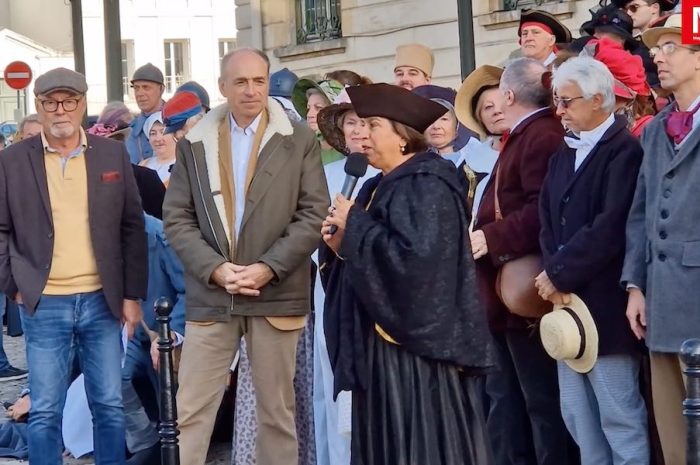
[
  {"x": 11, "y": 373},
  {"x": 150, "y": 456}
]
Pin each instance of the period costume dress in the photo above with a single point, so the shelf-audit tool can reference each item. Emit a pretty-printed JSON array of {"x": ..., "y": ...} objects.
[{"x": 404, "y": 325}]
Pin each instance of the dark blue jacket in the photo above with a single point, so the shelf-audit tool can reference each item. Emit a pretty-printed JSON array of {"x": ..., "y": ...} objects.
[
  {"x": 165, "y": 279},
  {"x": 583, "y": 216}
]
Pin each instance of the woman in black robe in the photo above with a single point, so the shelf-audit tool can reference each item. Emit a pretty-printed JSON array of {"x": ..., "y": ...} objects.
[{"x": 405, "y": 329}]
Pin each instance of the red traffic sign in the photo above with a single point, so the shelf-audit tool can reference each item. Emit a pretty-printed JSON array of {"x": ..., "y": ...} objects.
[{"x": 18, "y": 75}]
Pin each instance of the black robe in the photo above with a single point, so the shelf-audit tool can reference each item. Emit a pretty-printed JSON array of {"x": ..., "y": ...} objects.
[{"x": 407, "y": 266}]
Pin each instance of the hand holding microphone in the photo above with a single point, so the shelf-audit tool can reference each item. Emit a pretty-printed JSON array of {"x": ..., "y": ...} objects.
[{"x": 355, "y": 168}]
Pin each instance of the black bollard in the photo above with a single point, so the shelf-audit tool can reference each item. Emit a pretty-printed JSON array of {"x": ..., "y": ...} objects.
[
  {"x": 170, "y": 450},
  {"x": 690, "y": 355}
]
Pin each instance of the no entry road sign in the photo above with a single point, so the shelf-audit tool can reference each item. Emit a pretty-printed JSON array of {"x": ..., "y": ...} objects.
[{"x": 18, "y": 75}]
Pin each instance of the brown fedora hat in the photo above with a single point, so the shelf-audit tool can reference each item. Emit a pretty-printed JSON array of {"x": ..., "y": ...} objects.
[
  {"x": 465, "y": 107},
  {"x": 328, "y": 119}
]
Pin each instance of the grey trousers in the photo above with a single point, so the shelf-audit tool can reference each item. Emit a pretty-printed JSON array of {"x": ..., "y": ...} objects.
[{"x": 604, "y": 411}]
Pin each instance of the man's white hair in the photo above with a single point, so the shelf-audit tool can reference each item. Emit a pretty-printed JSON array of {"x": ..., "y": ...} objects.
[{"x": 592, "y": 77}]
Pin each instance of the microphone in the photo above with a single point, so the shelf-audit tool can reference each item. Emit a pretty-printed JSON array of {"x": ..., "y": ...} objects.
[{"x": 355, "y": 168}]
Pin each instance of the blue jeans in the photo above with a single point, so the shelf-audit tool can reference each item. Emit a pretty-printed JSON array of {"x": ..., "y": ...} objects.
[
  {"x": 62, "y": 328},
  {"x": 4, "y": 363}
]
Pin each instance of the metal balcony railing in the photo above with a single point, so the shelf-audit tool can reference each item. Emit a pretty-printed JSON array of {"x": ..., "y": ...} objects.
[{"x": 318, "y": 20}]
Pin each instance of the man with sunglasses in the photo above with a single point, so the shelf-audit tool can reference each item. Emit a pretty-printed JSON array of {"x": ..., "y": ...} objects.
[
  {"x": 73, "y": 255},
  {"x": 662, "y": 266},
  {"x": 645, "y": 13}
]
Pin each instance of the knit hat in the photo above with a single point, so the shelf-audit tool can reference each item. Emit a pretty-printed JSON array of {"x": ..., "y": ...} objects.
[
  {"x": 181, "y": 107},
  {"x": 416, "y": 56}
]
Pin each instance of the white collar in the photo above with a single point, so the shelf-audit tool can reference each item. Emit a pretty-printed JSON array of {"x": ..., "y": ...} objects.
[
  {"x": 550, "y": 59},
  {"x": 593, "y": 136},
  {"x": 512, "y": 130},
  {"x": 253, "y": 127}
]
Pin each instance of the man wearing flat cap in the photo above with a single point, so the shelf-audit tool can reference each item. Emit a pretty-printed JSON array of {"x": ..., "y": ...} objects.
[
  {"x": 73, "y": 256},
  {"x": 539, "y": 33},
  {"x": 148, "y": 85},
  {"x": 414, "y": 66}
]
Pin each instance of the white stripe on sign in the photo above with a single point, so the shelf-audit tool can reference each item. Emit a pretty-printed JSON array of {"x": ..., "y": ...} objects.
[{"x": 21, "y": 75}]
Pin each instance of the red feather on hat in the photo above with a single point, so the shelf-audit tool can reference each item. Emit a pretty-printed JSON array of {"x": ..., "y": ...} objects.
[{"x": 624, "y": 66}]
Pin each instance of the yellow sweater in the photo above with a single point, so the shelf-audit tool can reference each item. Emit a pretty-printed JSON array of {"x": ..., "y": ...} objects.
[{"x": 73, "y": 265}]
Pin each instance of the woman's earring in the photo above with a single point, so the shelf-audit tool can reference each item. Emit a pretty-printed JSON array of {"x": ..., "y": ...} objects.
[{"x": 403, "y": 149}]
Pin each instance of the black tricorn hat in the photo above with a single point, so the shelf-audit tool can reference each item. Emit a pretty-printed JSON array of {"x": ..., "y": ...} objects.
[
  {"x": 395, "y": 103},
  {"x": 561, "y": 32},
  {"x": 665, "y": 5}
]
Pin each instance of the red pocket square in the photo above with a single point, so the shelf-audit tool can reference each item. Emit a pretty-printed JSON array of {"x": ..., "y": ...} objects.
[{"x": 111, "y": 176}]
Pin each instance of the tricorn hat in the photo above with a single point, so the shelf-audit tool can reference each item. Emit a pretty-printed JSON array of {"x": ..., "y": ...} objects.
[
  {"x": 560, "y": 32},
  {"x": 569, "y": 334},
  {"x": 395, "y": 103},
  {"x": 470, "y": 90}
]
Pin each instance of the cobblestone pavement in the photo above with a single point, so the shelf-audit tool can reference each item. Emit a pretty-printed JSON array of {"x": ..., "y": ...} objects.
[{"x": 219, "y": 454}]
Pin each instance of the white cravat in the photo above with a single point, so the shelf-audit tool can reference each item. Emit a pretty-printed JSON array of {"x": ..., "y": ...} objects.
[
  {"x": 241, "y": 145},
  {"x": 587, "y": 140}
]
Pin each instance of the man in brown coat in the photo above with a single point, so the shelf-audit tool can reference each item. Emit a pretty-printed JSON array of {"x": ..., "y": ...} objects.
[
  {"x": 526, "y": 386},
  {"x": 243, "y": 211},
  {"x": 73, "y": 255}
]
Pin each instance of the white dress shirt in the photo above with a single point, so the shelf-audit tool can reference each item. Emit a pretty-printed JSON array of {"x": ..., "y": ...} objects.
[
  {"x": 587, "y": 140},
  {"x": 241, "y": 145},
  {"x": 550, "y": 59}
]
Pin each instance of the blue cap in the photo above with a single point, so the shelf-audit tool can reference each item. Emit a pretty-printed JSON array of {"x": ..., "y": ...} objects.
[{"x": 282, "y": 83}]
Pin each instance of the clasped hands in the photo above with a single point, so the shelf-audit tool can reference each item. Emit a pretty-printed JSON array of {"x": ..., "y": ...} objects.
[
  {"x": 242, "y": 279},
  {"x": 549, "y": 292}
]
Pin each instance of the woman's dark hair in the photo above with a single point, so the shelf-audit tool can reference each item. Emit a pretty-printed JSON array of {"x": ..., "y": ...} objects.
[
  {"x": 415, "y": 141},
  {"x": 348, "y": 78}
]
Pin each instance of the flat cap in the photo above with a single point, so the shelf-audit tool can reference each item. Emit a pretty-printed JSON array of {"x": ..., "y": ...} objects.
[
  {"x": 60, "y": 79},
  {"x": 148, "y": 72}
]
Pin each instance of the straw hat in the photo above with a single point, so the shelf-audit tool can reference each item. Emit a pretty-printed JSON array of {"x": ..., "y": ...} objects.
[
  {"x": 465, "y": 107},
  {"x": 650, "y": 37},
  {"x": 569, "y": 334}
]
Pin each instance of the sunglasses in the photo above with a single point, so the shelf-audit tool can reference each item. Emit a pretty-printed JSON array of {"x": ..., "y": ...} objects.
[{"x": 564, "y": 102}]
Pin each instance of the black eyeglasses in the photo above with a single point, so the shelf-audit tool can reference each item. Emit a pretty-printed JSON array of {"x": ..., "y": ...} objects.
[
  {"x": 69, "y": 104},
  {"x": 564, "y": 102},
  {"x": 669, "y": 48}
]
